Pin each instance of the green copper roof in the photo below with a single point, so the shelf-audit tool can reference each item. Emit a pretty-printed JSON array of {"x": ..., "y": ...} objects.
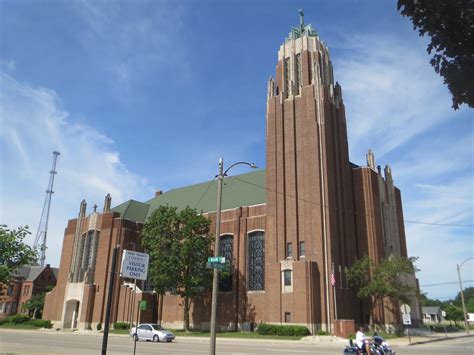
[
  {"x": 239, "y": 190},
  {"x": 132, "y": 210}
]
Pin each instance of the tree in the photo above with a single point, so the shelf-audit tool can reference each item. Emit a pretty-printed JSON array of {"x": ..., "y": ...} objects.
[
  {"x": 179, "y": 245},
  {"x": 35, "y": 305},
  {"x": 13, "y": 252},
  {"x": 385, "y": 279},
  {"x": 454, "y": 313},
  {"x": 428, "y": 302},
  {"x": 450, "y": 24}
]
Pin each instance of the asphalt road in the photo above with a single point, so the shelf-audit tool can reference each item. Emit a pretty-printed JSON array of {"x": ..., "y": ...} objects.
[{"x": 37, "y": 342}]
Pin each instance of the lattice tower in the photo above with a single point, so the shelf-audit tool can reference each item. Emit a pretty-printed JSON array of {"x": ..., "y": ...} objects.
[{"x": 41, "y": 234}]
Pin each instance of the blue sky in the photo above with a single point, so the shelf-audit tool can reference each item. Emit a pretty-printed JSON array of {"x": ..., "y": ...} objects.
[{"x": 146, "y": 95}]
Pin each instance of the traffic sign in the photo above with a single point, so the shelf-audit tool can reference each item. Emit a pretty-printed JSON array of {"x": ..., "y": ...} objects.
[
  {"x": 405, "y": 308},
  {"x": 216, "y": 259},
  {"x": 406, "y": 318},
  {"x": 214, "y": 265},
  {"x": 134, "y": 265}
]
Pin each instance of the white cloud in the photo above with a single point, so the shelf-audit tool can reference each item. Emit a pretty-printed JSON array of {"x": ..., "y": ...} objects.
[
  {"x": 391, "y": 93},
  {"x": 33, "y": 125},
  {"x": 397, "y": 106}
]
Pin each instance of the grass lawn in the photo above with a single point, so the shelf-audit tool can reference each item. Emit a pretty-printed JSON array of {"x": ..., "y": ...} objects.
[{"x": 237, "y": 335}]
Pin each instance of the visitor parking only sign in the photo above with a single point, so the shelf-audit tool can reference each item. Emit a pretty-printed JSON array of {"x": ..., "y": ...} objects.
[{"x": 134, "y": 265}]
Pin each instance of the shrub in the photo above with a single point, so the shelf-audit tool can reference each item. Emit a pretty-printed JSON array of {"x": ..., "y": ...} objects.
[
  {"x": 41, "y": 323},
  {"x": 99, "y": 326},
  {"x": 121, "y": 325},
  {"x": 282, "y": 330},
  {"x": 18, "y": 319},
  {"x": 322, "y": 332}
]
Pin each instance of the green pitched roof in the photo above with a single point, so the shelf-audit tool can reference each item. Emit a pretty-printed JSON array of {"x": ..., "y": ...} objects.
[
  {"x": 239, "y": 190},
  {"x": 132, "y": 210}
]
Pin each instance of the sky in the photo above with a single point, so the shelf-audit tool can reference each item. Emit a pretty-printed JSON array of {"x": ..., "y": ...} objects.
[{"x": 140, "y": 96}]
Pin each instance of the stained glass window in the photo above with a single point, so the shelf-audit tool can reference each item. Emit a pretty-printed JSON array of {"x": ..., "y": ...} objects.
[
  {"x": 256, "y": 261},
  {"x": 225, "y": 250}
]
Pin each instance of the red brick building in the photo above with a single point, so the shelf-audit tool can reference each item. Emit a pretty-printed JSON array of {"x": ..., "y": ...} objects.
[
  {"x": 27, "y": 281},
  {"x": 287, "y": 229}
]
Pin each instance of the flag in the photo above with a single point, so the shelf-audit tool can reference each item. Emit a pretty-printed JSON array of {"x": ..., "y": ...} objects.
[{"x": 333, "y": 277}]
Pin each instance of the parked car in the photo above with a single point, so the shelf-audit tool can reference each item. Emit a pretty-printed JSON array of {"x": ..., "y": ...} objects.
[{"x": 152, "y": 332}]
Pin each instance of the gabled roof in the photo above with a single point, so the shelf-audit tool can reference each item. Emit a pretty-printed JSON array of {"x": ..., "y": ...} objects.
[
  {"x": 430, "y": 310},
  {"x": 35, "y": 271},
  {"x": 239, "y": 190}
]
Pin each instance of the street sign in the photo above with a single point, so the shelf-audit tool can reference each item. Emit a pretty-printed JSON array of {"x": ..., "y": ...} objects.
[
  {"x": 143, "y": 305},
  {"x": 406, "y": 309},
  {"x": 406, "y": 318},
  {"x": 213, "y": 265},
  {"x": 216, "y": 259},
  {"x": 134, "y": 265}
]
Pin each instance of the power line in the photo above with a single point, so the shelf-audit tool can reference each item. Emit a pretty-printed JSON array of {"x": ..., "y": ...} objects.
[
  {"x": 204, "y": 193},
  {"x": 344, "y": 210},
  {"x": 445, "y": 283}
]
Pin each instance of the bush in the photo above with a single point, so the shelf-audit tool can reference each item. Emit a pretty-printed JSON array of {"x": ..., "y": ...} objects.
[
  {"x": 41, "y": 323},
  {"x": 282, "y": 330},
  {"x": 18, "y": 319},
  {"x": 121, "y": 325},
  {"x": 322, "y": 332},
  {"x": 99, "y": 326}
]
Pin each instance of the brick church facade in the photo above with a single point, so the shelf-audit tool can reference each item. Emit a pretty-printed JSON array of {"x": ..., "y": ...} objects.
[{"x": 287, "y": 229}]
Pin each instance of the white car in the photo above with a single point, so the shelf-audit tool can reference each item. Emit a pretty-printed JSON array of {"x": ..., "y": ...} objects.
[{"x": 152, "y": 332}]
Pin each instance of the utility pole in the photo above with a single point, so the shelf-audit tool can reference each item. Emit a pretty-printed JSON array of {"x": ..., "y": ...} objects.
[
  {"x": 41, "y": 234},
  {"x": 466, "y": 323}
]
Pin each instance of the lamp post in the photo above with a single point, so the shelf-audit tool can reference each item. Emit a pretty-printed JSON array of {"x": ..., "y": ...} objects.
[
  {"x": 466, "y": 324},
  {"x": 215, "y": 278}
]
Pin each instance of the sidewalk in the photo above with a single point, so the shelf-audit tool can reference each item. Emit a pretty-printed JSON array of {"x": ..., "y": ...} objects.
[{"x": 433, "y": 337}]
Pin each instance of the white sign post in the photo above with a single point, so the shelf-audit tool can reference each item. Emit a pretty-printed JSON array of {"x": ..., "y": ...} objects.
[{"x": 134, "y": 265}]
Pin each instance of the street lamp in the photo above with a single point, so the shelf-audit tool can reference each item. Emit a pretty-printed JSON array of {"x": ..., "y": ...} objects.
[
  {"x": 466, "y": 324},
  {"x": 215, "y": 278}
]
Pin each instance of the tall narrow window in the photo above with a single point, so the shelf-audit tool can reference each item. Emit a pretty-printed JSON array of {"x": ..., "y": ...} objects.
[
  {"x": 225, "y": 250},
  {"x": 287, "y": 278},
  {"x": 302, "y": 249},
  {"x": 289, "y": 250},
  {"x": 256, "y": 261},
  {"x": 298, "y": 73},
  {"x": 287, "y": 317},
  {"x": 287, "y": 77}
]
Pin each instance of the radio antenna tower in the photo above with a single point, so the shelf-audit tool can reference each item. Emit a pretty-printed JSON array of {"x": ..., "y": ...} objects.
[{"x": 41, "y": 234}]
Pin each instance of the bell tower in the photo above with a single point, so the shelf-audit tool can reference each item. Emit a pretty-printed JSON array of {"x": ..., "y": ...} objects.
[{"x": 310, "y": 229}]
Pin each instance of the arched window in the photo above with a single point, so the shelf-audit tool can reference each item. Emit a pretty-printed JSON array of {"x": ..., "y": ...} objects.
[
  {"x": 256, "y": 261},
  {"x": 226, "y": 243}
]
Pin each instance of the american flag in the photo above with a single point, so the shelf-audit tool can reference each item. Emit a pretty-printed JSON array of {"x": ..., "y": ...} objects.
[{"x": 333, "y": 277}]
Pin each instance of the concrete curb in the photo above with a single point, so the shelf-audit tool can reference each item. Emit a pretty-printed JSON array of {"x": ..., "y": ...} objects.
[{"x": 441, "y": 339}]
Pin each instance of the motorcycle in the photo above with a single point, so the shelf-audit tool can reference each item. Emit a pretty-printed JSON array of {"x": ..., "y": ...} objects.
[{"x": 377, "y": 347}]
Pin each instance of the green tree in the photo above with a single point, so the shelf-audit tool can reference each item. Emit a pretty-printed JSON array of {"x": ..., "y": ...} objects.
[
  {"x": 454, "y": 313},
  {"x": 450, "y": 24},
  {"x": 428, "y": 302},
  {"x": 14, "y": 252},
  {"x": 384, "y": 279},
  {"x": 35, "y": 305},
  {"x": 179, "y": 245}
]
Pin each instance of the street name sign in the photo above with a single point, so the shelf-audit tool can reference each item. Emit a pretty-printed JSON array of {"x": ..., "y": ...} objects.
[
  {"x": 134, "y": 265},
  {"x": 143, "y": 305},
  {"x": 213, "y": 265},
  {"x": 216, "y": 259}
]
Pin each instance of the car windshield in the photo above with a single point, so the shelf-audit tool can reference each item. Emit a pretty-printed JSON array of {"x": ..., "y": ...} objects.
[{"x": 157, "y": 326}]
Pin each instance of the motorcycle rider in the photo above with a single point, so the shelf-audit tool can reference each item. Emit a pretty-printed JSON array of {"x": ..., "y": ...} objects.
[{"x": 362, "y": 342}]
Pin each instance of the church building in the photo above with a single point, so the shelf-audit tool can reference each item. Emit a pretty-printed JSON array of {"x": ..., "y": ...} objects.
[{"x": 291, "y": 230}]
